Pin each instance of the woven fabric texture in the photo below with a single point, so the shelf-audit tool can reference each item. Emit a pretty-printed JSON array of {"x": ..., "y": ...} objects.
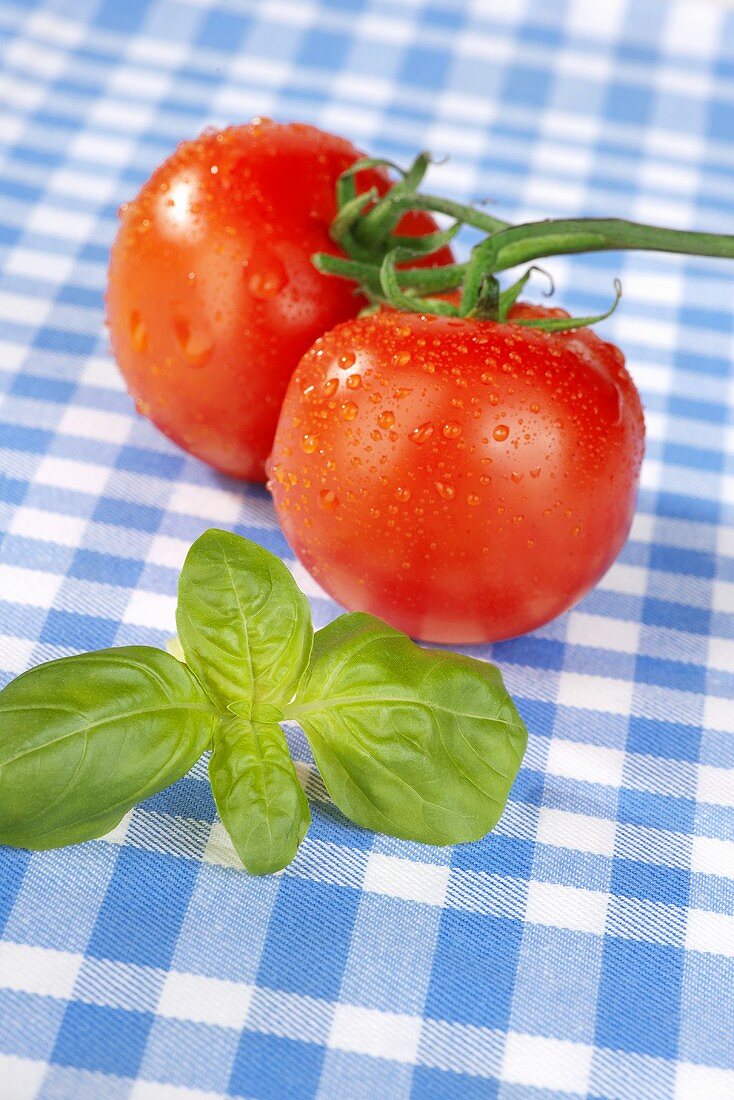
[{"x": 586, "y": 947}]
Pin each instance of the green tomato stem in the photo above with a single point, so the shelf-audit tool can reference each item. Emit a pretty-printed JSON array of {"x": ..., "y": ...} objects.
[
  {"x": 364, "y": 229},
  {"x": 520, "y": 243}
]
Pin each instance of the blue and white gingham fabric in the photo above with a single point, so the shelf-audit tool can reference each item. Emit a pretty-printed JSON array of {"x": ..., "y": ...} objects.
[{"x": 586, "y": 947}]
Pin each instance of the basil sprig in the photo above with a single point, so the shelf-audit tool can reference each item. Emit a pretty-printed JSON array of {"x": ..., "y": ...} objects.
[{"x": 419, "y": 744}]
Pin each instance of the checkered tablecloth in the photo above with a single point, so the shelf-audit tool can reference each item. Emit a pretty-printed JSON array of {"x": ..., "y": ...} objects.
[{"x": 586, "y": 947}]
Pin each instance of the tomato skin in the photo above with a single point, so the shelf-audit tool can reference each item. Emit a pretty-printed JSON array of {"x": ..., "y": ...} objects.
[
  {"x": 465, "y": 480},
  {"x": 212, "y": 296}
]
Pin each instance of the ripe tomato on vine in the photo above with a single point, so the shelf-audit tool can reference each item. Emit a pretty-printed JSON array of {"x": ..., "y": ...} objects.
[
  {"x": 460, "y": 463},
  {"x": 212, "y": 296}
]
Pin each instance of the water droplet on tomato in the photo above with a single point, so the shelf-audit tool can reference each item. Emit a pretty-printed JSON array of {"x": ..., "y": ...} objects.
[
  {"x": 347, "y": 360},
  {"x": 348, "y": 410},
  {"x": 386, "y": 419},
  {"x": 403, "y": 358},
  {"x": 535, "y": 472},
  {"x": 195, "y": 343},
  {"x": 402, "y": 493},
  {"x": 399, "y": 393},
  {"x": 517, "y": 476},
  {"x": 501, "y": 433},
  {"x": 494, "y": 399},
  {"x": 535, "y": 407},
  {"x": 472, "y": 499},
  {"x": 138, "y": 331},
  {"x": 451, "y": 429},
  {"x": 268, "y": 282},
  {"x": 422, "y": 433},
  {"x": 446, "y": 492},
  {"x": 328, "y": 500},
  {"x": 309, "y": 443},
  {"x": 259, "y": 125},
  {"x": 354, "y": 381},
  {"x": 330, "y": 386}
]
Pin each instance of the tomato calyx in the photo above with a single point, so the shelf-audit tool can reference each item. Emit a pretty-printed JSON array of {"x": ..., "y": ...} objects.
[{"x": 379, "y": 261}]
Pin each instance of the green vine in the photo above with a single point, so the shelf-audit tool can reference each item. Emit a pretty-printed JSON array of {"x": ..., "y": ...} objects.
[{"x": 378, "y": 259}]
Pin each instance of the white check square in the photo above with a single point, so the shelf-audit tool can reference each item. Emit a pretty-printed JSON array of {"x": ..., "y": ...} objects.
[
  {"x": 402, "y": 878},
  {"x": 534, "y": 1061},
  {"x": 718, "y": 713},
  {"x": 40, "y": 970},
  {"x": 569, "y": 907},
  {"x": 577, "y": 689},
  {"x": 205, "y": 1000},
  {"x": 29, "y": 587},
  {"x": 26, "y": 1075},
  {"x": 576, "y": 831},
  {"x": 34, "y": 523},
  {"x": 381, "y": 1034},
  {"x": 712, "y": 933},
  {"x": 694, "y": 1082},
  {"x": 106, "y": 427},
  {"x": 593, "y": 763},
  {"x": 152, "y": 610},
  {"x": 68, "y": 473},
  {"x": 207, "y": 502},
  {"x": 715, "y": 785},
  {"x": 712, "y": 856}
]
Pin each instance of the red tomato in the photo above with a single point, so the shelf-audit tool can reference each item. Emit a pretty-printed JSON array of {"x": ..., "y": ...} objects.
[
  {"x": 212, "y": 296},
  {"x": 465, "y": 480}
]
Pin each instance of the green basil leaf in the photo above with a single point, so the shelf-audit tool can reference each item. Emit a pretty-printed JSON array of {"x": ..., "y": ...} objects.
[
  {"x": 85, "y": 738},
  {"x": 256, "y": 789},
  {"x": 244, "y": 625},
  {"x": 420, "y": 744}
]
